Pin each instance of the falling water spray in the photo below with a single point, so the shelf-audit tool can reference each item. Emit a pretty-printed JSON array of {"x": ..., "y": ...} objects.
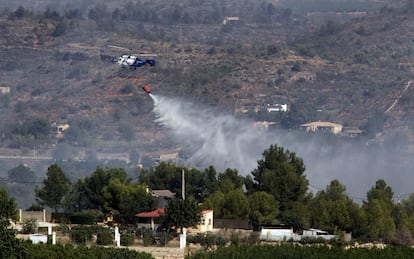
[
  {"x": 221, "y": 140},
  {"x": 212, "y": 138}
]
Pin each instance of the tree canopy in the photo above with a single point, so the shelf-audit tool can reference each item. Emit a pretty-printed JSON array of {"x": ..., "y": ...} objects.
[
  {"x": 378, "y": 211},
  {"x": 183, "y": 213},
  {"x": 275, "y": 193},
  {"x": 263, "y": 209},
  {"x": 330, "y": 209},
  {"x": 169, "y": 176},
  {"x": 8, "y": 208},
  {"x": 10, "y": 246},
  {"x": 55, "y": 186},
  {"x": 110, "y": 190},
  {"x": 21, "y": 174},
  {"x": 281, "y": 173}
]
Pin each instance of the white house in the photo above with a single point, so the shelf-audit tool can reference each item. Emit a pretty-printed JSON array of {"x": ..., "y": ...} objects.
[
  {"x": 230, "y": 19},
  {"x": 206, "y": 223},
  {"x": 317, "y": 233},
  {"x": 279, "y": 234},
  {"x": 286, "y": 234},
  {"x": 276, "y": 107},
  {"x": 4, "y": 90},
  {"x": 322, "y": 126}
]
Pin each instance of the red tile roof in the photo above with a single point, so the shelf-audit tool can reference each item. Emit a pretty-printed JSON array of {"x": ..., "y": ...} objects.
[{"x": 152, "y": 214}]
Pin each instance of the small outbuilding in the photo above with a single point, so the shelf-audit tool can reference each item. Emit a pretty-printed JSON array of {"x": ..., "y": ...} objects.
[
  {"x": 317, "y": 233},
  {"x": 38, "y": 238},
  {"x": 278, "y": 234}
]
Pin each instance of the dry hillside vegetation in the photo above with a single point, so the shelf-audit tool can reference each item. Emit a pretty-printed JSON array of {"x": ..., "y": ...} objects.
[{"x": 62, "y": 69}]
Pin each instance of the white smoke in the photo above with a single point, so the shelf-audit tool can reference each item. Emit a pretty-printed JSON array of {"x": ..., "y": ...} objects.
[
  {"x": 214, "y": 139},
  {"x": 226, "y": 142}
]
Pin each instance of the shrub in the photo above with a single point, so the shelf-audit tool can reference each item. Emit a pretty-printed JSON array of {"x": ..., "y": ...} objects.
[
  {"x": 64, "y": 228},
  {"x": 29, "y": 226},
  {"x": 148, "y": 238},
  {"x": 84, "y": 218},
  {"x": 253, "y": 238},
  {"x": 60, "y": 217},
  {"x": 104, "y": 238},
  {"x": 60, "y": 29},
  {"x": 234, "y": 239},
  {"x": 80, "y": 235},
  {"x": 164, "y": 238},
  {"x": 127, "y": 240},
  {"x": 207, "y": 240},
  {"x": 313, "y": 240},
  {"x": 69, "y": 251}
]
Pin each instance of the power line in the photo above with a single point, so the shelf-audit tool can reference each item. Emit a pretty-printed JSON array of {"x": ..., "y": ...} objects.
[{"x": 321, "y": 189}]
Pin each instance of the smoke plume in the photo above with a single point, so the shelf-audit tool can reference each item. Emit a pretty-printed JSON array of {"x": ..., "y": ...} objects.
[
  {"x": 223, "y": 141},
  {"x": 212, "y": 138}
]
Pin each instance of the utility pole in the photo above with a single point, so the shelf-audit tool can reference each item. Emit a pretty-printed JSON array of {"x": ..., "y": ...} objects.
[
  {"x": 183, "y": 185},
  {"x": 183, "y": 236}
]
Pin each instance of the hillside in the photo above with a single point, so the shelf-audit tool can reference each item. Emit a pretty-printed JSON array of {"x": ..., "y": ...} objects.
[
  {"x": 60, "y": 68},
  {"x": 372, "y": 63}
]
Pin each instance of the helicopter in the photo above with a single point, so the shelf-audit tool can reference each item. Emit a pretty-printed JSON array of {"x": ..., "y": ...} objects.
[{"x": 134, "y": 61}]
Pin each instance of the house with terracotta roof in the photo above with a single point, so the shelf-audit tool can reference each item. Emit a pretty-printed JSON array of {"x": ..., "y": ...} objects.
[
  {"x": 153, "y": 219},
  {"x": 323, "y": 126},
  {"x": 150, "y": 219}
]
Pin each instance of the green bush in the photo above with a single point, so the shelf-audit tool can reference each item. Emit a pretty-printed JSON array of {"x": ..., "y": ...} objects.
[
  {"x": 164, "y": 238},
  {"x": 64, "y": 228},
  {"x": 127, "y": 239},
  {"x": 29, "y": 226},
  {"x": 234, "y": 239},
  {"x": 69, "y": 251},
  {"x": 207, "y": 240},
  {"x": 148, "y": 237},
  {"x": 104, "y": 238},
  {"x": 85, "y": 217},
  {"x": 195, "y": 239},
  {"x": 294, "y": 251},
  {"x": 60, "y": 217},
  {"x": 80, "y": 235},
  {"x": 313, "y": 240},
  {"x": 253, "y": 238}
]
